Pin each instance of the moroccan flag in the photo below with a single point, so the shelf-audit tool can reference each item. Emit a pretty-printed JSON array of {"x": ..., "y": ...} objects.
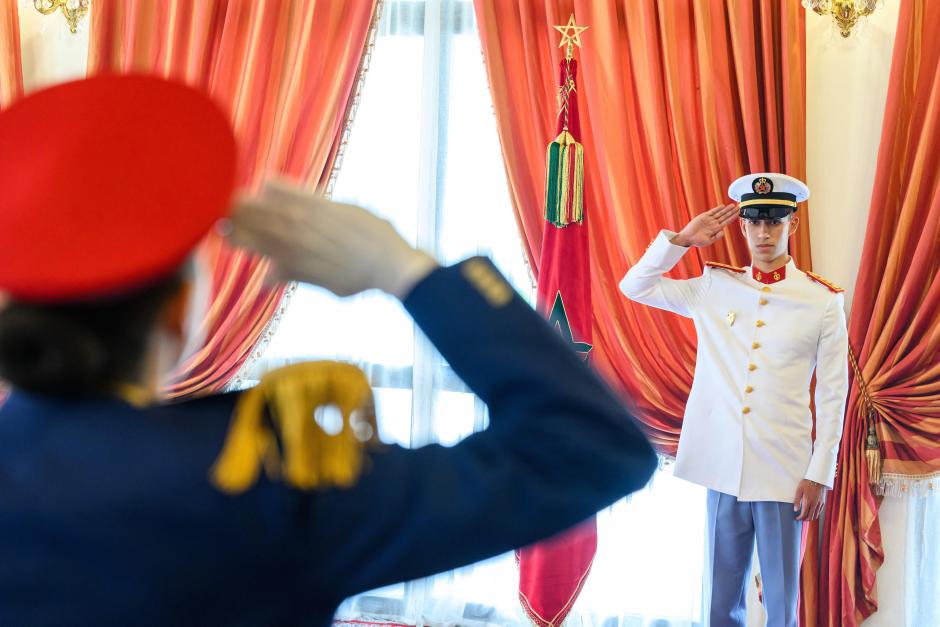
[{"x": 552, "y": 573}]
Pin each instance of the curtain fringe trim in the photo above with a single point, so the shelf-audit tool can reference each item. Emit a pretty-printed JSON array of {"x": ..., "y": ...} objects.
[
  {"x": 364, "y": 62},
  {"x": 530, "y": 271},
  {"x": 915, "y": 486},
  {"x": 239, "y": 381}
]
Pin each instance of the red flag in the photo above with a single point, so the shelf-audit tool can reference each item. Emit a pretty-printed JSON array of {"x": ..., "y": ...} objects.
[{"x": 552, "y": 573}]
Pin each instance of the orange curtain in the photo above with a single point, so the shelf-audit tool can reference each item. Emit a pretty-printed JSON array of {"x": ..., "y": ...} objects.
[
  {"x": 894, "y": 328},
  {"x": 677, "y": 100},
  {"x": 286, "y": 72},
  {"x": 11, "y": 64}
]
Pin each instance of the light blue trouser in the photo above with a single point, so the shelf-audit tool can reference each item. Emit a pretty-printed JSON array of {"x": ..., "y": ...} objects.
[{"x": 732, "y": 527}]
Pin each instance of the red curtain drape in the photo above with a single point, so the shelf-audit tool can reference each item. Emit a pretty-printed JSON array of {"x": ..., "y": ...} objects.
[
  {"x": 894, "y": 327},
  {"x": 286, "y": 71},
  {"x": 11, "y": 64},
  {"x": 677, "y": 100}
]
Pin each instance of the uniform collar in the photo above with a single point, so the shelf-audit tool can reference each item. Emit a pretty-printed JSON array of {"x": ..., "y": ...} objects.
[
  {"x": 774, "y": 276},
  {"x": 137, "y": 398}
]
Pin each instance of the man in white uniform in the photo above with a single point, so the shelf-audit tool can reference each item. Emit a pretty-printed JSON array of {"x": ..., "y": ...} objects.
[{"x": 747, "y": 432}]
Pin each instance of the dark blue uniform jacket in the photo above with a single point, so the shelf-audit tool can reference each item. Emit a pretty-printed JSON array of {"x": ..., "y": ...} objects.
[{"x": 107, "y": 515}]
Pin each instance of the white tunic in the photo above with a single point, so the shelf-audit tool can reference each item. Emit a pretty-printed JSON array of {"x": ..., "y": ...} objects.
[{"x": 747, "y": 429}]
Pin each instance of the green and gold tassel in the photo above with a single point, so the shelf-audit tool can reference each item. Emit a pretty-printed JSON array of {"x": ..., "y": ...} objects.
[{"x": 564, "y": 181}]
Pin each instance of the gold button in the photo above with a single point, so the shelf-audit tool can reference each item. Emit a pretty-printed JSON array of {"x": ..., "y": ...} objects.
[
  {"x": 761, "y": 323},
  {"x": 746, "y": 410},
  {"x": 763, "y": 301},
  {"x": 752, "y": 367},
  {"x": 755, "y": 345},
  {"x": 765, "y": 289},
  {"x": 748, "y": 390}
]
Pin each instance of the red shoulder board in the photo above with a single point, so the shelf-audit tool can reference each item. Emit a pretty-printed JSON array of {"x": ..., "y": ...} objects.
[
  {"x": 830, "y": 285},
  {"x": 724, "y": 266}
]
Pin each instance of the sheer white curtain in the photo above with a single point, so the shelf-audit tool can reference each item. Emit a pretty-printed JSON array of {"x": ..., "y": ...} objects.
[
  {"x": 424, "y": 153},
  {"x": 910, "y": 576}
]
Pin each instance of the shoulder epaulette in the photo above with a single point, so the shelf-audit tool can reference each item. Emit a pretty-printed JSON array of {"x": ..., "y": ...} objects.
[
  {"x": 724, "y": 266},
  {"x": 835, "y": 289},
  {"x": 272, "y": 429}
]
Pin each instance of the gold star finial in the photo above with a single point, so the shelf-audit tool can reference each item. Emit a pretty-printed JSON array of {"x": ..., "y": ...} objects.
[{"x": 574, "y": 37}]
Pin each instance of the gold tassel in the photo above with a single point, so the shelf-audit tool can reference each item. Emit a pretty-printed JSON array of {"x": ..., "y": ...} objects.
[
  {"x": 873, "y": 453},
  {"x": 287, "y": 400},
  {"x": 872, "y": 448},
  {"x": 564, "y": 170},
  {"x": 558, "y": 181},
  {"x": 577, "y": 209}
]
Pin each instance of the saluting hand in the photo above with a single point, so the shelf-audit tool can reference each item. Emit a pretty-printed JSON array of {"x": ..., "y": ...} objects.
[
  {"x": 341, "y": 247},
  {"x": 706, "y": 228}
]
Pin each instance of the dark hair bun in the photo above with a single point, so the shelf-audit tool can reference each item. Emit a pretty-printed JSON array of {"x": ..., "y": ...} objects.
[{"x": 46, "y": 352}]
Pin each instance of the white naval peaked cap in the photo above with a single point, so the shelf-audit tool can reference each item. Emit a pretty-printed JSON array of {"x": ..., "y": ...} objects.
[{"x": 766, "y": 195}]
